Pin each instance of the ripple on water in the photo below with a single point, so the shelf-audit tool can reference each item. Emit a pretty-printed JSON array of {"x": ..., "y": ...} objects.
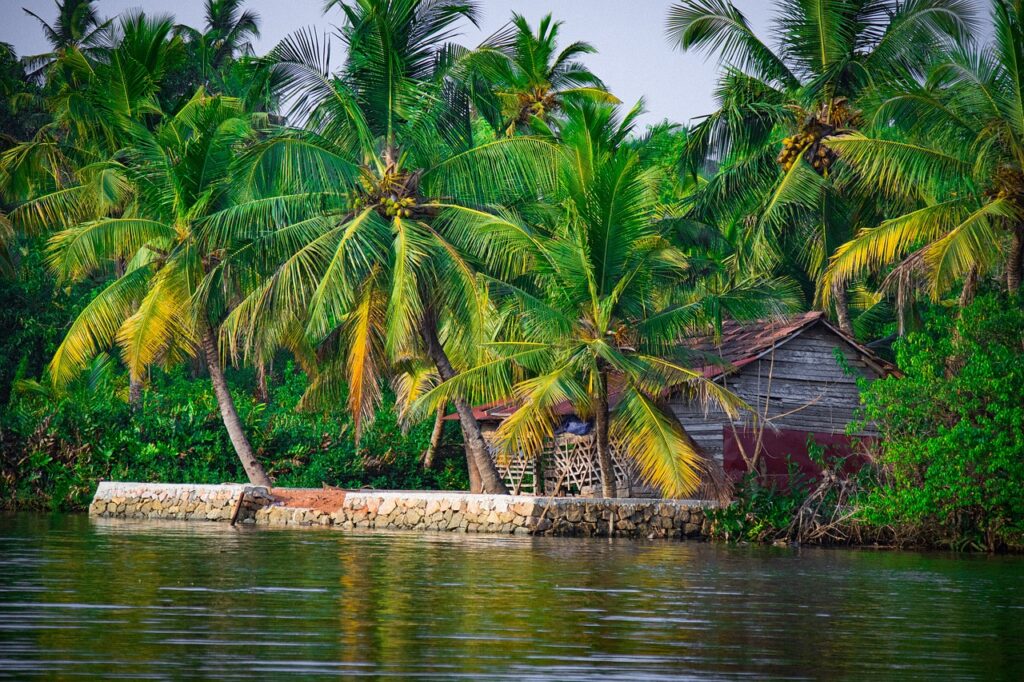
[{"x": 170, "y": 600}]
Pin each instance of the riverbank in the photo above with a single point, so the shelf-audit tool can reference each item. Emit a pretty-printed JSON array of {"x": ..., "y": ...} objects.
[{"x": 404, "y": 510}]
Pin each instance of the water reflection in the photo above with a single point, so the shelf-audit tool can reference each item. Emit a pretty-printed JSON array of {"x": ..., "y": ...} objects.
[{"x": 166, "y": 600}]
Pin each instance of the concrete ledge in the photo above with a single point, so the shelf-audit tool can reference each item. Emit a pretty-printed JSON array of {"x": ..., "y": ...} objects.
[{"x": 410, "y": 510}]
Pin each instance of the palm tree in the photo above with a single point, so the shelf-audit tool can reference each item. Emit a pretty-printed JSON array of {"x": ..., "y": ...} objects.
[
  {"x": 342, "y": 236},
  {"x": 799, "y": 97},
  {"x": 228, "y": 33},
  {"x": 951, "y": 150},
  {"x": 63, "y": 175},
  {"x": 597, "y": 302},
  {"x": 78, "y": 27},
  {"x": 233, "y": 27},
  {"x": 537, "y": 79},
  {"x": 155, "y": 310},
  {"x": 67, "y": 173}
]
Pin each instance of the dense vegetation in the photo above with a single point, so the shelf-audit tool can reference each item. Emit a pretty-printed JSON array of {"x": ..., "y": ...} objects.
[
  {"x": 219, "y": 264},
  {"x": 954, "y": 446}
]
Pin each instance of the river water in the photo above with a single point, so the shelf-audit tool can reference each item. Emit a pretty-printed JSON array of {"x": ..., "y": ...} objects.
[{"x": 164, "y": 600}]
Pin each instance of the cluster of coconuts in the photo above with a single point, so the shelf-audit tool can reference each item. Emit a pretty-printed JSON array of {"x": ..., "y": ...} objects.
[
  {"x": 535, "y": 103},
  {"x": 818, "y": 155},
  {"x": 1007, "y": 182},
  {"x": 359, "y": 203},
  {"x": 401, "y": 208}
]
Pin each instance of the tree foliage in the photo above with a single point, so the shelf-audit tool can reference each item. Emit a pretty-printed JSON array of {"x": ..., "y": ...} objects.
[
  {"x": 430, "y": 225},
  {"x": 953, "y": 441}
]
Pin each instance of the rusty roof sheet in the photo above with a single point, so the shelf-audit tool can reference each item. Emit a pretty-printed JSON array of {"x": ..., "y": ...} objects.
[{"x": 744, "y": 342}]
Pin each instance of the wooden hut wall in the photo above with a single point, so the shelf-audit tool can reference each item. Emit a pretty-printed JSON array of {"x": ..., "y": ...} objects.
[{"x": 801, "y": 380}]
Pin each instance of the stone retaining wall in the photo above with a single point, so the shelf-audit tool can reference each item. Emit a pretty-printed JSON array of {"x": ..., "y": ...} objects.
[
  {"x": 412, "y": 510},
  {"x": 181, "y": 501}
]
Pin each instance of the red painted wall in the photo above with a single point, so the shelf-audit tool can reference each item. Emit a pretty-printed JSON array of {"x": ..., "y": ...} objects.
[{"x": 778, "y": 447}]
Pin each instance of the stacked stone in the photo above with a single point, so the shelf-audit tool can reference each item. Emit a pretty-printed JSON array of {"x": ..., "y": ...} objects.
[
  {"x": 459, "y": 512},
  {"x": 421, "y": 511},
  {"x": 178, "y": 501},
  {"x": 455, "y": 513},
  {"x": 620, "y": 518}
]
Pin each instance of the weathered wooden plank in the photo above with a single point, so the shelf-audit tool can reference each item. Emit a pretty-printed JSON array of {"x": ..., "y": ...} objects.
[
  {"x": 805, "y": 388},
  {"x": 810, "y": 372}
]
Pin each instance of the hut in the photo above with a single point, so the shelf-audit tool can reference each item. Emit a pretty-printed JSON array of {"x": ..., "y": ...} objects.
[{"x": 799, "y": 374}]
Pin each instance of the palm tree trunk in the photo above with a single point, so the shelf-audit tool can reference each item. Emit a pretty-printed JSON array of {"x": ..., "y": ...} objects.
[
  {"x": 604, "y": 453},
  {"x": 262, "y": 392},
  {"x": 236, "y": 432},
  {"x": 842, "y": 305},
  {"x": 970, "y": 287},
  {"x": 478, "y": 459},
  {"x": 955, "y": 361},
  {"x": 134, "y": 392},
  {"x": 435, "y": 439},
  {"x": 1015, "y": 262}
]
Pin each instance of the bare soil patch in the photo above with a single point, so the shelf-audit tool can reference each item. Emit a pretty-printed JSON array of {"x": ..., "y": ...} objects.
[{"x": 325, "y": 499}]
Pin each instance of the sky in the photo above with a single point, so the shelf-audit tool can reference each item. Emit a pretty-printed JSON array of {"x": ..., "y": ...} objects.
[{"x": 634, "y": 56}]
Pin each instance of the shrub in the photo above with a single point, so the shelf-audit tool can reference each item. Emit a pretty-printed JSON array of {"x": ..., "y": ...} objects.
[
  {"x": 805, "y": 510},
  {"x": 759, "y": 513},
  {"x": 53, "y": 451},
  {"x": 953, "y": 431}
]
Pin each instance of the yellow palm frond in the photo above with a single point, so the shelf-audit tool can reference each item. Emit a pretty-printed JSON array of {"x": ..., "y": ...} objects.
[
  {"x": 708, "y": 393},
  {"x": 972, "y": 243},
  {"x": 414, "y": 377},
  {"x": 164, "y": 317},
  {"x": 363, "y": 336},
  {"x": 656, "y": 441},
  {"x": 96, "y": 327},
  {"x": 533, "y": 424},
  {"x": 874, "y": 248}
]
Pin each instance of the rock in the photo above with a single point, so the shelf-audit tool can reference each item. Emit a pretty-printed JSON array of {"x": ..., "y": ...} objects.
[
  {"x": 522, "y": 508},
  {"x": 540, "y": 525}
]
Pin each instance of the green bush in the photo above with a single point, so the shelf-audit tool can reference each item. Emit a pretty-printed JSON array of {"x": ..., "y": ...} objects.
[
  {"x": 54, "y": 451},
  {"x": 953, "y": 431},
  {"x": 759, "y": 513},
  {"x": 805, "y": 510},
  {"x": 34, "y": 314}
]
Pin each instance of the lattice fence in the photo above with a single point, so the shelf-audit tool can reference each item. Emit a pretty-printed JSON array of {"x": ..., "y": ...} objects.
[{"x": 573, "y": 461}]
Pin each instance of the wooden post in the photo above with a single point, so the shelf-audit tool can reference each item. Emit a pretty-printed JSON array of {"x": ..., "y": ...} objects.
[{"x": 238, "y": 507}]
